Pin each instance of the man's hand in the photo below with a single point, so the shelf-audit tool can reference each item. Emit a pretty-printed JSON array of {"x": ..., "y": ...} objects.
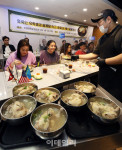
[
  {"x": 74, "y": 57},
  {"x": 101, "y": 62}
]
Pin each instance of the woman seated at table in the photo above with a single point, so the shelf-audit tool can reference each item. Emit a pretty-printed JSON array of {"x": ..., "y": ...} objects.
[
  {"x": 49, "y": 56},
  {"x": 82, "y": 46},
  {"x": 67, "y": 51},
  {"x": 21, "y": 57}
]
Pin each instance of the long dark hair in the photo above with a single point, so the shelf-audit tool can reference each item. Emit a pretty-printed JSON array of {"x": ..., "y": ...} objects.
[
  {"x": 49, "y": 42},
  {"x": 66, "y": 45},
  {"x": 21, "y": 43}
]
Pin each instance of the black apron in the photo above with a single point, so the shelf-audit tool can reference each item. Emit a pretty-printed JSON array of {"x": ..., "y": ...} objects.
[{"x": 110, "y": 77}]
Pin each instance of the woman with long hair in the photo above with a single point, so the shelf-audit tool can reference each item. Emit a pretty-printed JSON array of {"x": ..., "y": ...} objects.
[{"x": 67, "y": 51}]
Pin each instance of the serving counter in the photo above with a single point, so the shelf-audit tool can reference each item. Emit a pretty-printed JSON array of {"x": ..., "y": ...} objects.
[{"x": 51, "y": 78}]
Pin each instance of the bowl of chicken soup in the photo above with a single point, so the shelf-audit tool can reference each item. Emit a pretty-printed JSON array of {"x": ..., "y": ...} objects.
[
  {"x": 103, "y": 110},
  {"x": 73, "y": 100},
  {"x": 47, "y": 95},
  {"x": 25, "y": 89},
  {"x": 49, "y": 120},
  {"x": 16, "y": 110},
  {"x": 86, "y": 87}
]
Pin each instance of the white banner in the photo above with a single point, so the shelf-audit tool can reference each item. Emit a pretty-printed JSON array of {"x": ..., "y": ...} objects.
[{"x": 25, "y": 23}]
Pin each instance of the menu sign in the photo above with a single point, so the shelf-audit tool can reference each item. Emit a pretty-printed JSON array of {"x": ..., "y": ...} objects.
[{"x": 26, "y": 23}]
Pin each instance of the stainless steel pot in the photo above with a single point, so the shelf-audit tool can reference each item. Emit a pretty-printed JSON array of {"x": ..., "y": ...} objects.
[
  {"x": 17, "y": 121},
  {"x": 47, "y": 135},
  {"x": 48, "y": 88},
  {"x": 23, "y": 85},
  {"x": 99, "y": 118},
  {"x": 90, "y": 94},
  {"x": 70, "y": 107}
]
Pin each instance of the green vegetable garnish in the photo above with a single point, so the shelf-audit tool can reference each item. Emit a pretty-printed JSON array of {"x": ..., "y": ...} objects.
[
  {"x": 102, "y": 103},
  {"x": 49, "y": 115},
  {"x": 49, "y": 93},
  {"x": 46, "y": 117},
  {"x": 25, "y": 87}
]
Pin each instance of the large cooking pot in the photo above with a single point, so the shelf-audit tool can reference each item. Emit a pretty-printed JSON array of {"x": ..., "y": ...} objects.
[
  {"x": 69, "y": 107},
  {"x": 44, "y": 134},
  {"x": 29, "y": 103},
  {"x": 50, "y": 89},
  {"x": 86, "y": 91},
  {"x": 99, "y": 114},
  {"x": 25, "y": 85}
]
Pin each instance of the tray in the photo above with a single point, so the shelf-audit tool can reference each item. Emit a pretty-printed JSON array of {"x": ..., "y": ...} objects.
[
  {"x": 81, "y": 125},
  {"x": 17, "y": 136},
  {"x": 22, "y": 136}
]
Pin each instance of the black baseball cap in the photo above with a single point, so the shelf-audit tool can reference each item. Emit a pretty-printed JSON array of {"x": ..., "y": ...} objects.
[{"x": 104, "y": 14}]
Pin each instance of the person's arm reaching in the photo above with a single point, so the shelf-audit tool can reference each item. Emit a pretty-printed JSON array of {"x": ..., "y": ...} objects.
[
  {"x": 85, "y": 56},
  {"x": 88, "y": 56}
]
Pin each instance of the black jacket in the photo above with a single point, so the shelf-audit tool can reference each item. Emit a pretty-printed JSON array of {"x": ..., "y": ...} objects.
[{"x": 12, "y": 48}]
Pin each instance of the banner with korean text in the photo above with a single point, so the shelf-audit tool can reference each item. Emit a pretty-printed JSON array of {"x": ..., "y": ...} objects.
[{"x": 27, "y": 23}]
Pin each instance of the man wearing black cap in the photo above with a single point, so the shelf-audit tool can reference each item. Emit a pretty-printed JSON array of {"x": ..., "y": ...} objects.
[{"x": 109, "y": 52}]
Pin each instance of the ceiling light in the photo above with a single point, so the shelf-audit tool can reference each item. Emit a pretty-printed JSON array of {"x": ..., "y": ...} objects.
[
  {"x": 117, "y": 22},
  {"x": 84, "y": 9},
  {"x": 37, "y": 8},
  {"x": 65, "y": 15},
  {"x": 84, "y": 20}
]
